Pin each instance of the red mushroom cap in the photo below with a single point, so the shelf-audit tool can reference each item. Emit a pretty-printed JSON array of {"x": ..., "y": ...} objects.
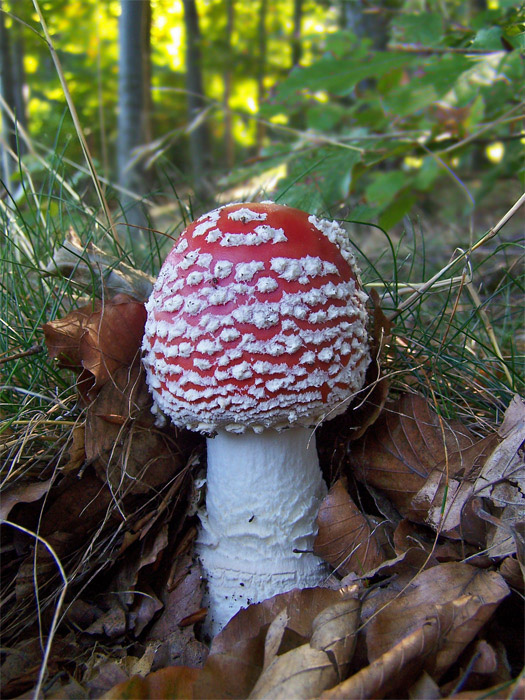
[{"x": 257, "y": 319}]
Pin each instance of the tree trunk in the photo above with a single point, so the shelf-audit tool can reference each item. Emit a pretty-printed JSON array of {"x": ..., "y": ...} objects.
[
  {"x": 297, "y": 48},
  {"x": 366, "y": 20},
  {"x": 263, "y": 11},
  {"x": 228, "y": 79},
  {"x": 199, "y": 139},
  {"x": 134, "y": 116}
]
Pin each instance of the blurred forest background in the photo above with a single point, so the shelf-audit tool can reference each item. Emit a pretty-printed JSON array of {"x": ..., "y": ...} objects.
[{"x": 370, "y": 111}]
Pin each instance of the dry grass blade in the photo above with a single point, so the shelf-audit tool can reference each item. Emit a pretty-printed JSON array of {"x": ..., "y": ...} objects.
[
  {"x": 58, "y": 607},
  {"x": 464, "y": 255}
]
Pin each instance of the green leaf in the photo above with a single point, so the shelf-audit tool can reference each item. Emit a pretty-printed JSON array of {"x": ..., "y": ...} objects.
[
  {"x": 424, "y": 28},
  {"x": 427, "y": 174},
  {"x": 385, "y": 187},
  {"x": 438, "y": 77},
  {"x": 323, "y": 117},
  {"x": 341, "y": 76},
  {"x": 318, "y": 180},
  {"x": 488, "y": 38},
  {"x": 393, "y": 214}
]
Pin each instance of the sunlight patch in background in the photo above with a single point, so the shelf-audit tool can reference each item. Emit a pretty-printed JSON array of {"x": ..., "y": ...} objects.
[{"x": 495, "y": 152}]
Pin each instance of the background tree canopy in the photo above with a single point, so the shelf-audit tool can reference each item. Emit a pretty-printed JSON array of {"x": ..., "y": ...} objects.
[{"x": 354, "y": 107}]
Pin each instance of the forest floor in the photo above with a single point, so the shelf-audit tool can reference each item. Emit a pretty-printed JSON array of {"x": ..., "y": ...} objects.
[{"x": 423, "y": 524}]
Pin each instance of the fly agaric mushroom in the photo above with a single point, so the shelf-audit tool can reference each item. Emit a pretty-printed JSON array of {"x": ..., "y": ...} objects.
[{"x": 257, "y": 324}]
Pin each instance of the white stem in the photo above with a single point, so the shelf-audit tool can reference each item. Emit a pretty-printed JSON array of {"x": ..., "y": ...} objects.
[{"x": 256, "y": 538}]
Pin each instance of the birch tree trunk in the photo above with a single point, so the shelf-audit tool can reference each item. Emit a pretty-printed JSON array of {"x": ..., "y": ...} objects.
[{"x": 134, "y": 116}]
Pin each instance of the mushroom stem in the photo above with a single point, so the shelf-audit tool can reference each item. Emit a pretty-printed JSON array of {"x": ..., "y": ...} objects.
[{"x": 257, "y": 533}]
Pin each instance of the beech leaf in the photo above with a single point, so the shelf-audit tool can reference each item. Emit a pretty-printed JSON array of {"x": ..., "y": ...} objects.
[
  {"x": 479, "y": 592},
  {"x": 404, "y": 446},
  {"x": 345, "y": 539},
  {"x": 390, "y": 670},
  {"x": 306, "y": 671},
  {"x": 97, "y": 339}
]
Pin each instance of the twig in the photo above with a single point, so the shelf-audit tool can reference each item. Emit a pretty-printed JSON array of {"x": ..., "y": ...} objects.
[
  {"x": 33, "y": 350},
  {"x": 430, "y": 50}
]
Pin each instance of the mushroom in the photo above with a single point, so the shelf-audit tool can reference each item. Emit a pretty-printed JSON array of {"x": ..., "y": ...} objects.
[{"x": 256, "y": 332}]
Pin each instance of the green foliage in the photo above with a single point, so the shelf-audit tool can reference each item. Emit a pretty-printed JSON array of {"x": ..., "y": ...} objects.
[{"x": 426, "y": 107}]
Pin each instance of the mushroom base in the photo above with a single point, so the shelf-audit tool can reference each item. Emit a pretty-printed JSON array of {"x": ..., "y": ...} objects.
[{"x": 257, "y": 533}]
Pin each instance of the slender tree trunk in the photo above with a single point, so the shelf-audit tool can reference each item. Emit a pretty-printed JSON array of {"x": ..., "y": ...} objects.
[
  {"x": 365, "y": 20},
  {"x": 7, "y": 90},
  {"x": 263, "y": 11},
  {"x": 228, "y": 79},
  {"x": 134, "y": 117},
  {"x": 199, "y": 139},
  {"x": 297, "y": 48}
]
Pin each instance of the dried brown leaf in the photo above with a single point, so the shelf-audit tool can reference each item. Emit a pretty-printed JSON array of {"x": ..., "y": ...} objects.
[
  {"x": 302, "y": 606},
  {"x": 425, "y": 688},
  {"x": 97, "y": 339},
  {"x": 503, "y": 691},
  {"x": 512, "y": 573},
  {"x": 177, "y": 643},
  {"x": 76, "y": 450},
  {"x": 236, "y": 660},
  {"x": 502, "y": 481},
  {"x": 173, "y": 682},
  {"x": 22, "y": 493},
  {"x": 306, "y": 671},
  {"x": 131, "y": 453},
  {"x": 391, "y": 670},
  {"x": 274, "y": 637},
  {"x": 406, "y": 444},
  {"x": 345, "y": 539},
  {"x": 479, "y": 592}
]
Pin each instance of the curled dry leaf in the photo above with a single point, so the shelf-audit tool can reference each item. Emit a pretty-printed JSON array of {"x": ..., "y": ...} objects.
[
  {"x": 345, "y": 538},
  {"x": 176, "y": 644},
  {"x": 271, "y": 629},
  {"x": 405, "y": 446},
  {"x": 502, "y": 481},
  {"x": 473, "y": 593},
  {"x": 22, "y": 493},
  {"x": 391, "y": 670},
  {"x": 502, "y": 691},
  {"x": 306, "y": 671},
  {"x": 172, "y": 682},
  {"x": 97, "y": 339},
  {"x": 122, "y": 441},
  {"x": 302, "y": 607},
  {"x": 443, "y": 501}
]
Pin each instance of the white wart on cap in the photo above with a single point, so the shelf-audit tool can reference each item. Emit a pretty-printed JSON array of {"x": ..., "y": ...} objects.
[{"x": 257, "y": 320}]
